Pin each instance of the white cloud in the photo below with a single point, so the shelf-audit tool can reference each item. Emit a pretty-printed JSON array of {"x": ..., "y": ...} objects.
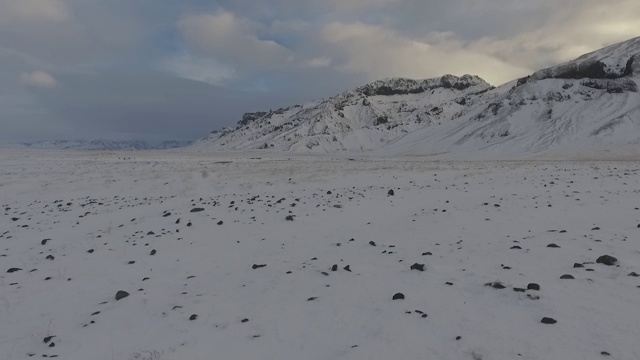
[
  {"x": 380, "y": 52},
  {"x": 317, "y": 63},
  {"x": 197, "y": 69},
  {"x": 576, "y": 28},
  {"x": 359, "y": 5},
  {"x": 34, "y": 11},
  {"x": 38, "y": 79},
  {"x": 231, "y": 39}
]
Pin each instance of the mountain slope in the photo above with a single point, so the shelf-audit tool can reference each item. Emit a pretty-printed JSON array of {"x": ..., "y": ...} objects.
[
  {"x": 365, "y": 118},
  {"x": 586, "y": 107},
  {"x": 589, "y": 106}
]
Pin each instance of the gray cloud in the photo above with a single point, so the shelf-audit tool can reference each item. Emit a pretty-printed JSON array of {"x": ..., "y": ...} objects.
[{"x": 157, "y": 70}]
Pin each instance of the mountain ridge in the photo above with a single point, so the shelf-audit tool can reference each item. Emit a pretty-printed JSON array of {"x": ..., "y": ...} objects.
[
  {"x": 99, "y": 144},
  {"x": 591, "y": 99}
]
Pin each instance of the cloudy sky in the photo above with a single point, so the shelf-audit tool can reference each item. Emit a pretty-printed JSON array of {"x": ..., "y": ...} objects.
[{"x": 178, "y": 69}]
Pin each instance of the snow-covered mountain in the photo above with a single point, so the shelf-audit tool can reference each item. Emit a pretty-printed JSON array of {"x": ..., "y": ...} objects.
[
  {"x": 127, "y": 145},
  {"x": 365, "y": 118},
  {"x": 587, "y": 106}
]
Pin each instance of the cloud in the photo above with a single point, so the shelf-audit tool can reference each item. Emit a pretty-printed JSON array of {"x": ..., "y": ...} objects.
[
  {"x": 197, "y": 69},
  {"x": 38, "y": 79},
  {"x": 574, "y": 29},
  {"x": 231, "y": 40},
  {"x": 34, "y": 11},
  {"x": 380, "y": 52},
  {"x": 317, "y": 63}
]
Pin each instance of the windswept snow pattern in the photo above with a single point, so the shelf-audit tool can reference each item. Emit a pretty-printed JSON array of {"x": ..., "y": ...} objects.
[{"x": 183, "y": 256}]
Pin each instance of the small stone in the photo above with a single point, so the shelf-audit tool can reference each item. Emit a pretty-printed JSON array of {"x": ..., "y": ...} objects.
[
  {"x": 220, "y": 222},
  {"x": 334, "y": 268},
  {"x": 256, "y": 266},
  {"x": 634, "y": 274},
  {"x": 391, "y": 192},
  {"x": 153, "y": 252},
  {"x": 428, "y": 253},
  {"x": 244, "y": 320},
  {"x": 576, "y": 266},
  {"x": 90, "y": 251},
  {"x": 50, "y": 257},
  {"x": 121, "y": 294},
  {"x": 398, "y": 296},
  {"x": 12, "y": 270},
  {"x": 193, "y": 317},
  {"x": 48, "y": 338},
  {"x": 516, "y": 247},
  {"x": 372, "y": 243},
  {"x": 607, "y": 260},
  {"x": 44, "y": 241},
  {"x": 416, "y": 266},
  {"x": 289, "y": 218},
  {"x": 496, "y": 285},
  {"x": 519, "y": 289},
  {"x": 553, "y": 246},
  {"x": 533, "y": 286},
  {"x": 195, "y": 210},
  {"x": 567, "y": 277},
  {"x": 604, "y": 353},
  {"x": 548, "y": 321},
  {"x": 347, "y": 268},
  {"x": 312, "y": 298},
  {"x": 458, "y": 337}
]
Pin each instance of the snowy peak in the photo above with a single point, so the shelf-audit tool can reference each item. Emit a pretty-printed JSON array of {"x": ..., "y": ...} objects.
[
  {"x": 613, "y": 62},
  {"x": 403, "y": 86}
]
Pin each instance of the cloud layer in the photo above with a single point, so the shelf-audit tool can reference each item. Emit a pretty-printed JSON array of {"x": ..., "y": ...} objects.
[{"x": 193, "y": 66}]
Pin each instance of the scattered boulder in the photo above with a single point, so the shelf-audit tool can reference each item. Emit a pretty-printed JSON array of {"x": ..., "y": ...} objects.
[
  {"x": 391, "y": 192},
  {"x": 398, "y": 296},
  {"x": 496, "y": 285},
  {"x": 416, "y": 266},
  {"x": 48, "y": 338},
  {"x": 256, "y": 266},
  {"x": 121, "y": 294},
  {"x": 193, "y": 317},
  {"x": 567, "y": 277},
  {"x": 533, "y": 286},
  {"x": 195, "y": 210},
  {"x": 607, "y": 260},
  {"x": 548, "y": 321},
  {"x": 12, "y": 270},
  {"x": 44, "y": 241}
]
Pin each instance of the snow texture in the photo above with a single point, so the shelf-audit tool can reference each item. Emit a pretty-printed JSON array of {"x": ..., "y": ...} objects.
[{"x": 213, "y": 269}]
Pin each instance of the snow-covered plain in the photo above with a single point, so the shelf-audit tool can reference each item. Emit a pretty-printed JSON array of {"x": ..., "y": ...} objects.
[{"x": 106, "y": 213}]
